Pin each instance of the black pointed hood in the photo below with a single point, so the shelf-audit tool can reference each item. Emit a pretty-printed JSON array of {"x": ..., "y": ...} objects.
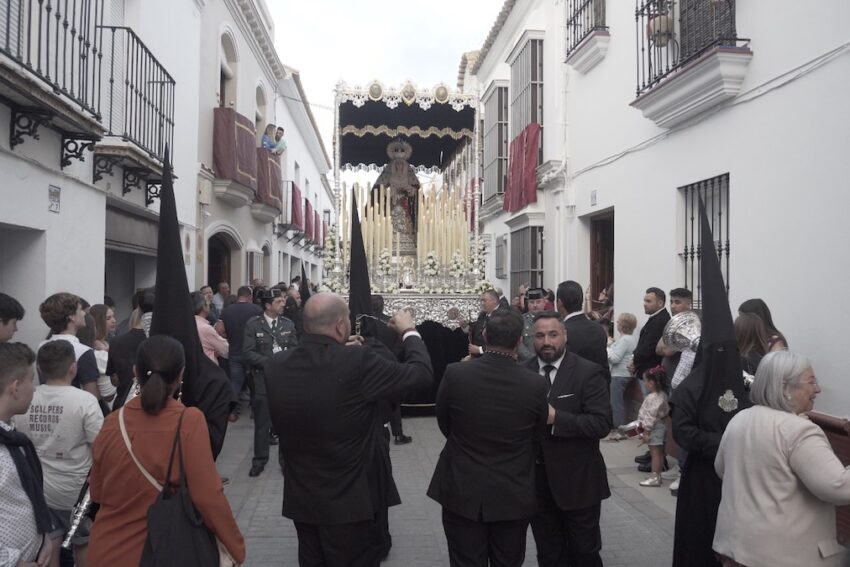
[
  {"x": 172, "y": 310},
  {"x": 360, "y": 290},
  {"x": 719, "y": 362},
  {"x": 304, "y": 288}
]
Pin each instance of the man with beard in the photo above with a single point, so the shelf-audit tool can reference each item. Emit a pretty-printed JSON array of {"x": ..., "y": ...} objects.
[
  {"x": 493, "y": 413},
  {"x": 570, "y": 471}
]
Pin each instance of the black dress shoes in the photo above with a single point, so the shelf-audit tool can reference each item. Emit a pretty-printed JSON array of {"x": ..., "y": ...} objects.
[
  {"x": 645, "y": 458},
  {"x": 403, "y": 439},
  {"x": 256, "y": 470}
]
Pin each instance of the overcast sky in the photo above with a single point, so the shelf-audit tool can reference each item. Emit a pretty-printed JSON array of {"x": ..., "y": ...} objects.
[{"x": 361, "y": 40}]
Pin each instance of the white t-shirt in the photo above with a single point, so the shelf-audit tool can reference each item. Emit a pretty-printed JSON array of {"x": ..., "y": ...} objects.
[{"x": 62, "y": 423}]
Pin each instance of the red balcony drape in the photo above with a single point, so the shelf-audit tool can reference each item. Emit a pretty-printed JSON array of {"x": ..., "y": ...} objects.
[
  {"x": 308, "y": 220},
  {"x": 522, "y": 169},
  {"x": 297, "y": 212},
  {"x": 317, "y": 228},
  {"x": 234, "y": 147}
]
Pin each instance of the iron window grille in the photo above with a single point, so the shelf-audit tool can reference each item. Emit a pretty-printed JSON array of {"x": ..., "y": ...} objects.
[
  {"x": 141, "y": 93},
  {"x": 495, "y": 143},
  {"x": 672, "y": 33},
  {"x": 527, "y": 90},
  {"x": 526, "y": 258},
  {"x": 58, "y": 42},
  {"x": 583, "y": 18},
  {"x": 714, "y": 193}
]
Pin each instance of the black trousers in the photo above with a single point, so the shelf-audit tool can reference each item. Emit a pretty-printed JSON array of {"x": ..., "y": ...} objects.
[
  {"x": 395, "y": 421},
  {"x": 475, "y": 543},
  {"x": 341, "y": 545},
  {"x": 565, "y": 538},
  {"x": 262, "y": 420}
]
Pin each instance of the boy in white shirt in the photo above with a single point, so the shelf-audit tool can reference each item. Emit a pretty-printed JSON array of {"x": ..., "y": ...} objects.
[{"x": 62, "y": 422}]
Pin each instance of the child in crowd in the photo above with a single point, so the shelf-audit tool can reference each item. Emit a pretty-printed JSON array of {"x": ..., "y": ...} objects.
[
  {"x": 62, "y": 422},
  {"x": 25, "y": 522},
  {"x": 651, "y": 416}
]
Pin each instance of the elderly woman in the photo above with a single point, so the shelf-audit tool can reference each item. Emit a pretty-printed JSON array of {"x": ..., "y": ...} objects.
[
  {"x": 781, "y": 479},
  {"x": 619, "y": 356}
]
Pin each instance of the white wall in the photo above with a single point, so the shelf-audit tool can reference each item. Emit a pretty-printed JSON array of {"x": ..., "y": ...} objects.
[{"x": 783, "y": 142}]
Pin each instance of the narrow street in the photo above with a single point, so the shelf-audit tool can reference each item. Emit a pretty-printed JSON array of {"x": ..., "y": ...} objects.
[{"x": 637, "y": 522}]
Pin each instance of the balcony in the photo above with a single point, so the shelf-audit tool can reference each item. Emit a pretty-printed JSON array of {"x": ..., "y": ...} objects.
[
  {"x": 50, "y": 70},
  {"x": 587, "y": 34},
  {"x": 268, "y": 203},
  {"x": 690, "y": 58},
  {"x": 234, "y": 157},
  {"x": 138, "y": 112}
]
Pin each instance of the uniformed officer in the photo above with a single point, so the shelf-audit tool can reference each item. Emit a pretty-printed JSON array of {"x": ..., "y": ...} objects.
[
  {"x": 536, "y": 300},
  {"x": 265, "y": 335}
]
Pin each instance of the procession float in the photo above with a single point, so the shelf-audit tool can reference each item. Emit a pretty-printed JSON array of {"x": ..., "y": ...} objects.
[{"x": 419, "y": 218}]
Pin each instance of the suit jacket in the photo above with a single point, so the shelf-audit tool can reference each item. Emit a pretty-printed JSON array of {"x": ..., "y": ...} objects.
[
  {"x": 588, "y": 340},
  {"x": 478, "y": 329},
  {"x": 644, "y": 355},
  {"x": 574, "y": 465},
  {"x": 493, "y": 414},
  {"x": 323, "y": 403},
  {"x": 259, "y": 342},
  {"x": 781, "y": 483}
]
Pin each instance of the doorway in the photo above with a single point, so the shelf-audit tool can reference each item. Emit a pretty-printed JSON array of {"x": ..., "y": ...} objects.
[
  {"x": 218, "y": 268},
  {"x": 601, "y": 254}
]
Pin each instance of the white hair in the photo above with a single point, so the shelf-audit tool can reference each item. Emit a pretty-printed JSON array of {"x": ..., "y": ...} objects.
[{"x": 778, "y": 372}]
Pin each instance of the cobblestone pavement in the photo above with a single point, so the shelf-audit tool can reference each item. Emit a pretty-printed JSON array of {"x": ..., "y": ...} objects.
[{"x": 637, "y": 522}]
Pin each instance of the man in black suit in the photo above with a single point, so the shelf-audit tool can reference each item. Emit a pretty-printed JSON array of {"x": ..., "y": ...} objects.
[
  {"x": 393, "y": 342},
  {"x": 571, "y": 477},
  {"x": 584, "y": 337},
  {"x": 645, "y": 355},
  {"x": 489, "y": 303},
  {"x": 323, "y": 399},
  {"x": 493, "y": 414}
]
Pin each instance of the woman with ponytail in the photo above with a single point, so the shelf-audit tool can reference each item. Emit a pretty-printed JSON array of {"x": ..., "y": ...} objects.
[{"x": 117, "y": 482}]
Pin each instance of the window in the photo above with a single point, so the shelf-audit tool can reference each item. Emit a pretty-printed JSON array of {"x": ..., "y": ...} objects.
[
  {"x": 583, "y": 18},
  {"x": 671, "y": 33},
  {"x": 495, "y": 143},
  {"x": 227, "y": 73},
  {"x": 526, "y": 258},
  {"x": 527, "y": 90},
  {"x": 714, "y": 193},
  {"x": 260, "y": 113},
  {"x": 501, "y": 257}
]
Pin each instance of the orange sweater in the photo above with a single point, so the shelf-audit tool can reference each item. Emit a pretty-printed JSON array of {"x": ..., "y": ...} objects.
[{"x": 119, "y": 532}]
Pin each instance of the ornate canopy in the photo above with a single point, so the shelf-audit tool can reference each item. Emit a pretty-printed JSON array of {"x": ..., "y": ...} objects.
[{"x": 434, "y": 121}]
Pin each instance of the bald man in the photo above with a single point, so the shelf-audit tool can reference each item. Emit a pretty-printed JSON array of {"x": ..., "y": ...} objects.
[{"x": 323, "y": 398}]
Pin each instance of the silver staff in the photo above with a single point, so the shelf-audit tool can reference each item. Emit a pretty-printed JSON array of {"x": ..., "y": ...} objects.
[{"x": 81, "y": 510}]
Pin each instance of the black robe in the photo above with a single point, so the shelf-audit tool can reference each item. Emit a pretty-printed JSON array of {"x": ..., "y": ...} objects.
[{"x": 698, "y": 425}]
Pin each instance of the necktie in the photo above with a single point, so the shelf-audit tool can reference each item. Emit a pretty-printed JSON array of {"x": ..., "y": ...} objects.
[
  {"x": 548, "y": 369},
  {"x": 274, "y": 326}
]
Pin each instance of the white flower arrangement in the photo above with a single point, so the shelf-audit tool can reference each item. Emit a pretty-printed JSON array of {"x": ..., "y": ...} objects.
[
  {"x": 457, "y": 267},
  {"x": 385, "y": 263},
  {"x": 329, "y": 254},
  {"x": 432, "y": 265},
  {"x": 483, "y": 286}
]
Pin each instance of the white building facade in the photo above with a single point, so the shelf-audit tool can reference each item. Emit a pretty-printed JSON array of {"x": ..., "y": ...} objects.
[
  {"x": 660, "y": 103},
  {"x": 83, "y": 132}
]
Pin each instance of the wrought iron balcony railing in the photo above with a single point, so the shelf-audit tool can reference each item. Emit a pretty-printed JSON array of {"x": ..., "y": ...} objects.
[
  {"x": 583, "y": 18},
  {"x": 58, "y": 42},
  {"x": 672, "y": 33},
  {"x": 139, "y": 93}
]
